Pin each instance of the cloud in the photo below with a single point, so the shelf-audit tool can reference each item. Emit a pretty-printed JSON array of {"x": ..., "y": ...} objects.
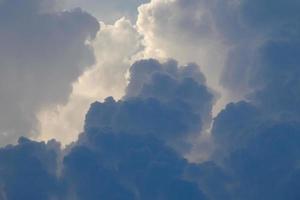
[
  {"x": 108, "y": 12},
  {"x": 101, "y": 165},
  {"x": 225, "y": 38},
  {"x": 42, "y": 53},
  {"x": 114, "y": 47},
  {"x": 173, "y": 103},
  {"x": 183, "y": 30},
  {"x": 256, "y": 140},
  {"x": 28, "y": 170},
  {"x": 134, "y": 147},
  {"x": 258, "y": 153},
  {"x": 120, "y": 166},
  {"x": 230, "y": 136},
  {"x": 258, "y": 40},
  {"x": 125, "y": 153},
  {"x": 128, "y": 149}
]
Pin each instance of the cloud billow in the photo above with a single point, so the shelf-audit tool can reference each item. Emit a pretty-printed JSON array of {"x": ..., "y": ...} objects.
[
  {"x": 122, "y": 166},
  {"x": 258, "y": 153},
  {"x": 129, "y": 148},
  {"x": 28, "y": 170},
  {"x": 165, "y": 101},
  {"x": 133, "y": 144},
  {"x": 133, "y": 148},
  {"x": 256, "y": 140},
  {"x": 43, "y": 51}
]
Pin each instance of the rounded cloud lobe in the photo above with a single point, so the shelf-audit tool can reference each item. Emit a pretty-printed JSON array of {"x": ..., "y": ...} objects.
[
  {"x": 173, "y": 101},
  {"x": 114, "y": 47},
  {"x": 184, "y": 30},
  {"x": 257, "y": 144},
  {"x": 42, "y": 53}
]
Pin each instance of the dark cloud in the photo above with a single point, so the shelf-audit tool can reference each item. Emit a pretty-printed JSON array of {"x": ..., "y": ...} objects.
[
  {"x": 264, "y": 39},
  {"x": 261, "y": 153},
  {"x": 124, "y": 152},
  {"x": 127, "y": 150},
  {"x": 42, "y": 52},
  {"x": 28, "y": 170},
  {"x": 121, "y": 166},
  {"x": 166, "y": 101},
  {"x": 278, "y": 78},
  {"x": 257, "y": 141},
  {"x": 102, "y": 165},
  {"x": 230, "y": 134}
]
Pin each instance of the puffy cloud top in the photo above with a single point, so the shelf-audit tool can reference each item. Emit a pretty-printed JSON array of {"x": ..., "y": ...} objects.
[
  {"x": 127, "y": 150},
  {"x": 162, "y": 100}
]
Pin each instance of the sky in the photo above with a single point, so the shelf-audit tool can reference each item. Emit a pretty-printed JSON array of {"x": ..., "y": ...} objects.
[{"x": 149, "y": 99}]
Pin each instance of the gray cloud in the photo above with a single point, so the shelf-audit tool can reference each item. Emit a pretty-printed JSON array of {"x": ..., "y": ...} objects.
[
  {"x": 256, "y": 154},
  {"x": 42, "y": 53},
  {"x": 264, "y": 44},
  {"x": 127, "y": 149},
  {"x": 174, "y": 102},
  {"x": 256, "y": 141},
  {"x": 114, "y": 49},
  {"x": 121, "y": 166},
  {"x": 28, "y": 170},
  {"x": 184, "y": 30}
]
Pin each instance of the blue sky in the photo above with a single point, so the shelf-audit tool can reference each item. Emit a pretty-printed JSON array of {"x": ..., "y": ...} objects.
[{"x": 149, "y": 100}]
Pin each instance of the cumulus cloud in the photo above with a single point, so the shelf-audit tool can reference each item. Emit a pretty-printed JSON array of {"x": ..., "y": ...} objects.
[
  {"x": 230, "y": 43},
  {"x": 264, "y": 44},
  {"x": 101, "y": 165},
  {"x": 255, "y": 140},
  {"x": 114, "y": 47},
  {"x": 255, "y": 152},
  {"x": 42, "y": 53},
  {"x": 128, "y": 147},
  {"x": 132, "y": 147},
  {"x": 183, "y": 30},
  {"x": 28, "y": 170},
  {"x": 108, "y": 11},
  {"x": 173, "y": 103},
  {"x": 120, "y": 166}
]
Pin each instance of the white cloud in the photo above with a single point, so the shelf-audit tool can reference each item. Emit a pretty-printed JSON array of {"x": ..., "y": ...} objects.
[
  {"x": 115, "y": 47},
  {"x": 184, "y": 30},
  {"x": 108, "y": 11}
]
